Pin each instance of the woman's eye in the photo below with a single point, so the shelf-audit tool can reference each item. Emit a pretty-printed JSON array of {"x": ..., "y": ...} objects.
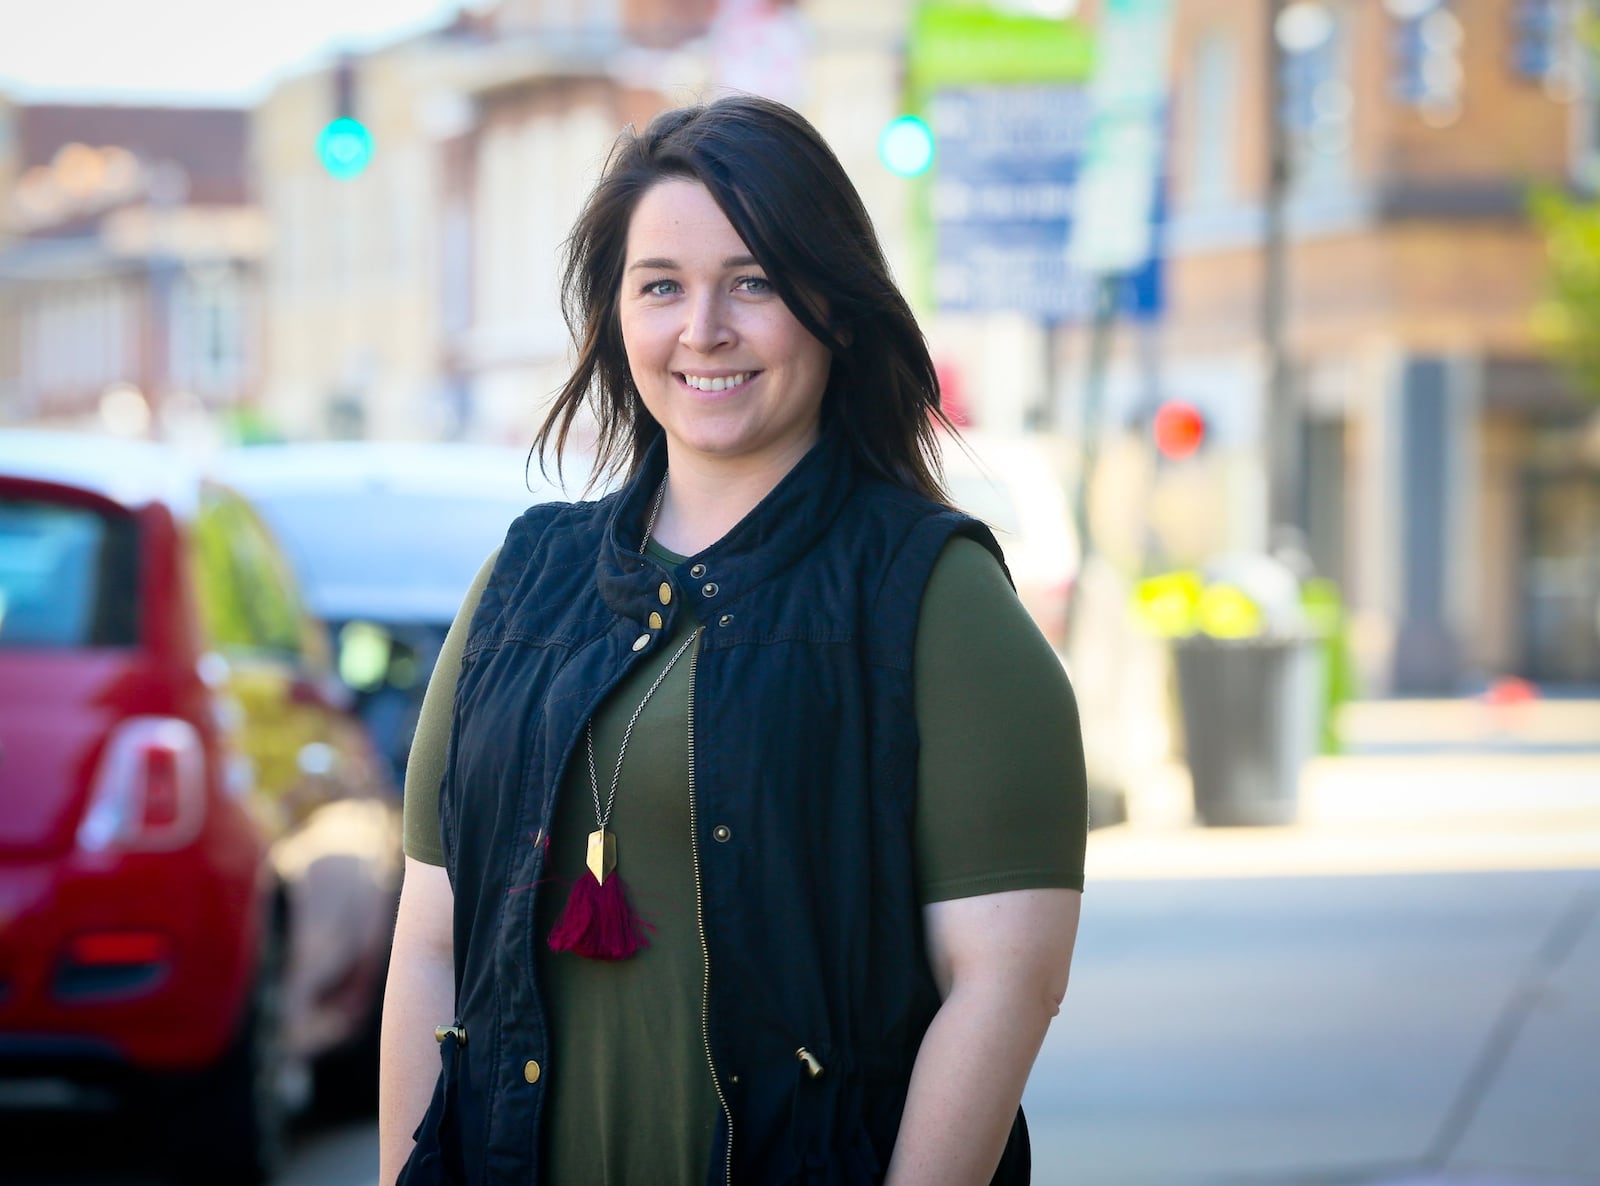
[
  {"x": 661, "y": 288},
  {"x": 753, "y": 284}
]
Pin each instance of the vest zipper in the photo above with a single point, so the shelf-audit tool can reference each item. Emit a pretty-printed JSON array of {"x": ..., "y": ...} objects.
[{"x": 700, "y": 923}]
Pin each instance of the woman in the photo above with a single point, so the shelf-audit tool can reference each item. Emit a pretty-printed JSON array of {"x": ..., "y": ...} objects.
[{"x": 758, "y": 843}]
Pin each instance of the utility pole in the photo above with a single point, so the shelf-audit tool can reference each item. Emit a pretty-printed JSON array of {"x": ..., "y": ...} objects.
[{"x": 1277, "y": 420}]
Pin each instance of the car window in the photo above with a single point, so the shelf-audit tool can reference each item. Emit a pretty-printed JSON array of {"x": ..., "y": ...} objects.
[
  {"x": 68, "y": 576},
  {"x": 357, "y": 551},
  {"x": 246, "y": 599}
]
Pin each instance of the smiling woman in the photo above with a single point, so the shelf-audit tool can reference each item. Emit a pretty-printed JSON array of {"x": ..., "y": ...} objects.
[
  {"x": 719, "y": 362},
  {"x": 794, "y": 809}
]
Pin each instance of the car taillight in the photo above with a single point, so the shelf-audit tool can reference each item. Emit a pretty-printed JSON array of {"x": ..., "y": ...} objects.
[
  {"x": 149, "y": 792},
  {"x": 104, "y": 948}
]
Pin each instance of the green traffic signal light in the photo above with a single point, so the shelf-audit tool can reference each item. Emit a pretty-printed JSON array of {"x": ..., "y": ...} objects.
[
  {"x": 345, "y": 148},
  {"x": 906, "y": 146}
]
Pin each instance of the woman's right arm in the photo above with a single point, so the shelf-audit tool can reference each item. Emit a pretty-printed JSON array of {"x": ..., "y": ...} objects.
[
  {"x": 420, "y": 995},
  {"x": 421, "y": 987}
]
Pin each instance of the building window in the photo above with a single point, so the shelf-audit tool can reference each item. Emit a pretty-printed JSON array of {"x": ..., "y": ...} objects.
[
  {"x": 1546, "y": 43},
  {"x": 1586, "y": 126},
  {"x": 208, "y": 329},
  {"x": 1428, "y": 72}
]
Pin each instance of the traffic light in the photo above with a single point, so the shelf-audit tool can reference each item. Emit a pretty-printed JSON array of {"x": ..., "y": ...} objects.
[
  {"x": 1178, "y": 430},
  {"x": 345, "y": 145},
  {"x": 906, "y": 146},
  {"x": 345, "y": 148}
]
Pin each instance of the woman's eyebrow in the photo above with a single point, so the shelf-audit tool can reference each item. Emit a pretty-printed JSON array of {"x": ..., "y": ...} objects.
[{"x": 658, "y": 263}]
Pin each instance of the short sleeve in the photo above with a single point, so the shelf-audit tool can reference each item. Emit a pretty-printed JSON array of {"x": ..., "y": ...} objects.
[
  {"x": 425, "y": 766},
  {"x": 1002, "y": 799}
]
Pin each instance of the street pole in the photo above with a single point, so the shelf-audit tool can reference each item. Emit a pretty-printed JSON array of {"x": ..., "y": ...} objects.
[
  {"x": 1277, "y": 422},
  {"x": 1107, "y": 291}
]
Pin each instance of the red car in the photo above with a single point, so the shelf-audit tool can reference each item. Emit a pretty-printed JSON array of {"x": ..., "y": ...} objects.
[{"x": 199, "y": 847}]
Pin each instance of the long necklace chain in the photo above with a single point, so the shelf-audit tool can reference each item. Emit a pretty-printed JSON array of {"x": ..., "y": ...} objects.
[{"x": 603, "y": 817}]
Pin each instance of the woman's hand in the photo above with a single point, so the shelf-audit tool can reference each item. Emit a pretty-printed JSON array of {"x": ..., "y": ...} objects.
[
  {"x": 420, "y": 995},
  {"x": 1001, "y": 962}
]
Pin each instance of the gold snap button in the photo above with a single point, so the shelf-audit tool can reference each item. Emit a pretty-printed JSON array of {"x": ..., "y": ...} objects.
[
  {"x": 665, "y": 593},
  {"x": 698, "y": 571},
  {"x": 655, "y": 620},
  {"x": 709, "y": 588},
  {"x": 641, "y": 642},
  {"x": 725, "y": 620},
  {"x": 722, "y": 833},
  {"x": 530, "y": 1071}
]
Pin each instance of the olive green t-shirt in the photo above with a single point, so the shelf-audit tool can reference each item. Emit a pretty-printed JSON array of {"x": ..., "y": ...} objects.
[{"x": 1001, "y": 805}]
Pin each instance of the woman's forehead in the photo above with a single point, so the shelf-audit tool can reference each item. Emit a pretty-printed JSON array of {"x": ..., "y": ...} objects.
[{"x": 677, "y": 218}]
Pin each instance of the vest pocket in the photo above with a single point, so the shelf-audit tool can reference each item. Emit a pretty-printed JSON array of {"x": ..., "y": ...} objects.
[
  {"x": 436, "y": 1158},
  {"x": 830, "y": 1126}
]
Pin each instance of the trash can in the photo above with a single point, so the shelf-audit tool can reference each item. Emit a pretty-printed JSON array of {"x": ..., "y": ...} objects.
[{"x": 1251, "y": 709}]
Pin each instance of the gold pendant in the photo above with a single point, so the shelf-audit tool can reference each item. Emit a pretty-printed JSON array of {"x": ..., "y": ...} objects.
[{"x": 602, "y": 854}]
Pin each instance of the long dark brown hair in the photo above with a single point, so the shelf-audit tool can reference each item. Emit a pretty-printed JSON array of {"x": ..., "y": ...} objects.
[{"x": 787, "y": 196}]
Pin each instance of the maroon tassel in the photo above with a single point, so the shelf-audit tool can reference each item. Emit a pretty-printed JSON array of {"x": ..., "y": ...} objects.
[{"x": 598, "y": 922}]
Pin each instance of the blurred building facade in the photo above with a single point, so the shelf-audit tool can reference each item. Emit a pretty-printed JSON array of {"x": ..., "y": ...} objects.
[
  {"x": 130, "y": 256},
  {"x": 1443, "y": 473},
  {"x": 542, "y": 103},
  {"x": 421, "y": 297},
  {"x": 1440, "y": 467},
  {"x": 353, "y": 272}
]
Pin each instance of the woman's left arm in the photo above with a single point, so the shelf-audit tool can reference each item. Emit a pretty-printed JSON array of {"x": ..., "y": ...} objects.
[{"x": 1001, "y": 962}]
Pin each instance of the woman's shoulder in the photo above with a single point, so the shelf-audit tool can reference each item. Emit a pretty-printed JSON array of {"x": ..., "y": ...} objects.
[{"x": 559, "y": 523}]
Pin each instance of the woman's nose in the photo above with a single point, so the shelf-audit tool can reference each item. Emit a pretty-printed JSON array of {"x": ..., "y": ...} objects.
[{"x": 707, "y": 325}]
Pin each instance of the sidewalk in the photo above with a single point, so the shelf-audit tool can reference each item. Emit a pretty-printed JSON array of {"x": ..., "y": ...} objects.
[
  {"x": 1470, "y": 726},
  {"x": 1426, "y": 786}
]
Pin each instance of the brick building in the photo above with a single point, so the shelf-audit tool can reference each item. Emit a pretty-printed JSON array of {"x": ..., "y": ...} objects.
[
  {"x": 1445, "y": 474},
  {"x": 129, "y": 263}
]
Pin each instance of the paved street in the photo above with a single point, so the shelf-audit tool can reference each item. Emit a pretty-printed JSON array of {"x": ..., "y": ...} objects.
[
  {"x": 1327, "y": 1029},
  {"x": 1401, "y": 990}
]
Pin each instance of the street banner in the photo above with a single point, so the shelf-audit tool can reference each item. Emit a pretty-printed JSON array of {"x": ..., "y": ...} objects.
[
  {"x": 1007, "y": 101},
  {"x": 1118, "y": 192},
  {"x": 1002, "y": 198}
]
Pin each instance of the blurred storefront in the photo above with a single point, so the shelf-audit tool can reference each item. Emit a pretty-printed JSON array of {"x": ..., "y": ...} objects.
[
  {"x": 1442, "y": 472},
  {"x": 130, "y": 258}
]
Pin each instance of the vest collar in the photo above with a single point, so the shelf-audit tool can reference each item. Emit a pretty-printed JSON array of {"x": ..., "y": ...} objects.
[{"x": 778, "y": 531}]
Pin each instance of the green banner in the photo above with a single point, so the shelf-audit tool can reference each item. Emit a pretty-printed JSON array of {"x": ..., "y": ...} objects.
[{"x": 963, "y": 42}]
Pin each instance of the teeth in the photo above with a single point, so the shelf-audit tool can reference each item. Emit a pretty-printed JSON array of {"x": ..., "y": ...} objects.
[{"x": 701, "y": 384}]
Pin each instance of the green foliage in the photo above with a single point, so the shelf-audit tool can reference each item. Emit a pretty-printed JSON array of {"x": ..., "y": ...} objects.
[{"x": 1567, "y": 320}]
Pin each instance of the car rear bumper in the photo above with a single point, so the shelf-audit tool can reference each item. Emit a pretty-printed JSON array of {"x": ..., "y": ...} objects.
[{"x": 141, "y": 962}]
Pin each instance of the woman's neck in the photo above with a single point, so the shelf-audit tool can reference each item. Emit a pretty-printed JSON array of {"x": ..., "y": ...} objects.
[{"x": 703, "y": 502}]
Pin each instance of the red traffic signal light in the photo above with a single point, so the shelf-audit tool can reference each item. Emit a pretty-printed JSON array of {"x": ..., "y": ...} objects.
[{"x": 1179, "y": 430}]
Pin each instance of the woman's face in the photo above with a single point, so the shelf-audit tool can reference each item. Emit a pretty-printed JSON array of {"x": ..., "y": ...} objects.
[{"x": 719, "y": 360}]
